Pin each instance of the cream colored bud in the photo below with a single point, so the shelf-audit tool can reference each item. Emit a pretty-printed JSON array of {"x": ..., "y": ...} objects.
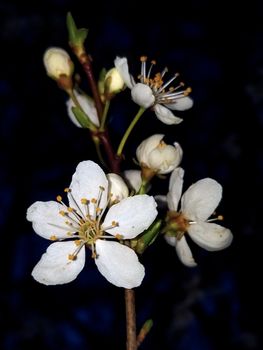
[
  {"x": 58, "y": 63},
  {"x": 155, "y": 154},
  {"x": 113, "y": 81},
  {"x": 133, "y": 178},
  {"x": 118, "y": 189}
]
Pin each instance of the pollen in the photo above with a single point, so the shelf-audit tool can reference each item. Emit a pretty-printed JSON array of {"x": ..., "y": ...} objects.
[
  {"x": 115, "y": 223},
  {"x": 77, "y": 242},
  {"x": 67, "y": 190},
  {"x": 220, "y": 217},
  {"x": 70, "y": 209},
  {"x": 72, "y": 257},
  {"x": 53, "y": 238},
  {"x": 93, "y": 200},
  {"x": 153, "y": 62},
  {"x": 59, "y": 198},
  {"x": 187, "y": 91},
  {"x": 102, "y": 188},
  {"x": 84, "y": 201},
  {"x": 143, "y": 58},
  {"x": 119, "y": 236},
  {"x": 62, "y": 212}
]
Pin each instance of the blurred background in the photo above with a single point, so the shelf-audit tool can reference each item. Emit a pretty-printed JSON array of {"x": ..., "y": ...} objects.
[{"x": 217, "y": 48}]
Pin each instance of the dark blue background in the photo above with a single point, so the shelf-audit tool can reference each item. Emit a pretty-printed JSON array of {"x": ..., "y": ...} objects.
[{"x": 217, "y": 47}]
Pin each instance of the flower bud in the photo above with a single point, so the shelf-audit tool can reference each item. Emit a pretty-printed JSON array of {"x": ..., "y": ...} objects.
[
  {"x": 118, "y": 189},
  {"x": 58, "y": 63},
  {"x": 113, "y": 82},
  {"x": 153, "y": 153},
  {"x": 88, "y": 106},
  {"x": 133, "y": 178}
]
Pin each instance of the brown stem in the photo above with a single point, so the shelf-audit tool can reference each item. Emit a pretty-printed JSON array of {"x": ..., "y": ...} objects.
[
  {"x": 131, "y": 342},
  {"x": 113, "y": 160},
  {"x": 85, "y": 61}
]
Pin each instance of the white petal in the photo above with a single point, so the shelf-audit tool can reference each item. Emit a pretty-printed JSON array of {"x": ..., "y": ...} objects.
[
  {"x": 201, "y": 199},
  {"x": 175, "y": 188},
  {"x": 210, "y": 236},
  {"x": 47, "y": 221},
  {"x": 133, "y": 214},
  {"x": 119, "y": 264},
  {"x": 86, "y": 183},
  {"x": 142, "y": 95},
  {"x": 122, "y": 67},
  {"x": 133, "y": 178},
  {"x": 165, "y": 158},
  {"x": 181, "y": 104},
  {"x": 170, "y": 240},
  {"x": 165, "y": 115},
  {"x": 146, "y": 147},
  {"x": 54, "y": 266},
  {"x": 184, "y": 252},
  {"x": 88, "y": 106}
]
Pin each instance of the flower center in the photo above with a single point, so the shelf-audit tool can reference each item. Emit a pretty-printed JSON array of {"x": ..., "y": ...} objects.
[
  {"x": 159, "y": 87},
  {"x": 84, "y": 222}
]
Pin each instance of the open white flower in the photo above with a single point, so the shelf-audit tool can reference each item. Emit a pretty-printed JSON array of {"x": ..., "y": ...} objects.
[
  {"x": 152, "y": 91},
  {"x": 198, "y": 203},
  {"x": 155, "y": 154},
  {"x": 86, "y": 222},
  {"x": 88, "y": 107}
]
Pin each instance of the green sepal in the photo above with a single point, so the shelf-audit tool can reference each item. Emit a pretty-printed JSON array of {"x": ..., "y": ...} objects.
[
  {"x": 83, "y": 119},
  {"x": 147, "y": 237},
  {"x": 76, "y": 36}
]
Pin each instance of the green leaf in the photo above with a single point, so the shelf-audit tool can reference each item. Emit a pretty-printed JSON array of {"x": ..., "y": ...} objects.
[
  {"x": 76, "y": 36},
  {"x": 83, "y": 119},
  {"x": 148, "y": 236}
]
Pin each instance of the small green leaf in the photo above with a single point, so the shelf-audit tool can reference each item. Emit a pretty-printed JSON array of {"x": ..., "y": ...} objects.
[
  {"x": 76, "y": 36},
  {"x": 83, "y": 119},
  {"x": 148, "y": 236}
]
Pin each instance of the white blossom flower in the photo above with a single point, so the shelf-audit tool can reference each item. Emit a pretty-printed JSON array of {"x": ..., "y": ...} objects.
[
  {"x": 198, "y": 203},
  {"x": 87, "y": 221},
  {"x": 152, "y": 91},
  {"x": 88, "y": 106},
  {"x": 57, "y": 63},
  {"x": 118, "y": 189},
  {"x": 155, "y": 154}
]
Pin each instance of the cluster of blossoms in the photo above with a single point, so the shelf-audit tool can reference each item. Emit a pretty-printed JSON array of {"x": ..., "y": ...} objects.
[{"x": 112, "y": 215}]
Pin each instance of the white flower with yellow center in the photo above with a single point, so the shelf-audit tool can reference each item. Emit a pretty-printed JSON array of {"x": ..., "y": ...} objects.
[
  {"x": 87, "y": 222},
  {"x": 198, "y": 203},
  {"x": 153, "y": 153},
  {"x": 152, "y": 91}
]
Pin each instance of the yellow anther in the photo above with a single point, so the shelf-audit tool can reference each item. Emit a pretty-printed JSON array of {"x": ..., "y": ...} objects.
[
  {"x": 67, "y": 190},
  {"x": 98, "y": 210},
  {"x": 93, "y": 200},
  {"x": 84, "y": 201},
  {"x": 72, "y": 257},
  {"x": 162, "y": 144},
  {"x": 62, "y": 212},
  {"x": 68, "y": 223},
  {"x": 53, "y": 238},
  {"x": 143, "y": 58},
  {"x": 220, "y": 217},
  {"x": 114, "y": 223},
  {"x": 102, "y": 188},
  {"x": 187, "y": 91},
  {"x": 118, "y": 236},
  {"x": 153, "y": 62},
  {"x": 59, "y": 198},
  {"x": 70, "y": 209},
  {"x": 77, "y": 242}
]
